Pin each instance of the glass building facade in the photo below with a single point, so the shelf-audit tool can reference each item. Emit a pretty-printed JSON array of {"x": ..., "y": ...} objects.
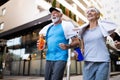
[{"x": 23, "y": 57}]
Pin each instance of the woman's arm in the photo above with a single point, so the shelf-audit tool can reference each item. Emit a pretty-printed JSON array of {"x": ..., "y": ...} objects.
[{"x": 82, "y": 45}]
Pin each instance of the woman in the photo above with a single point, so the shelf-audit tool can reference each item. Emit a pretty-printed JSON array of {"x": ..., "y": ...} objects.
[{"x": 93, "y": 38}]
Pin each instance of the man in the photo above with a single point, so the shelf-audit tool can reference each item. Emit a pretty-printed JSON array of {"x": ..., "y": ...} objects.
[{"x": 57, "y": 35}]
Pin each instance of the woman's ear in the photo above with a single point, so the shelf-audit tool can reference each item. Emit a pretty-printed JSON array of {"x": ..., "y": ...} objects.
[{"x": 98, "y": 16}]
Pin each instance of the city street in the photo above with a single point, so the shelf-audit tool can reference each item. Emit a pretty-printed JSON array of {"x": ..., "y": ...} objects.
[
  {"x": 79, "y": 77},
  {"x": 117, "y": 77}
]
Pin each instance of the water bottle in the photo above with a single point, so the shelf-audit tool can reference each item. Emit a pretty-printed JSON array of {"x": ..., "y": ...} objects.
[
  {"x": 79, "y": 54},
  {"x": 41, "y": 42}
]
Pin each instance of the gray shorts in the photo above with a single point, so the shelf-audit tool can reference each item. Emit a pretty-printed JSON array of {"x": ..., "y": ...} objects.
[{"x": 54, "y": 70}]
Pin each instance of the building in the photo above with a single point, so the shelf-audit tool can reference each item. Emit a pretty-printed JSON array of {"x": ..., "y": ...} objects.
[{"x": 20, "y": 22}]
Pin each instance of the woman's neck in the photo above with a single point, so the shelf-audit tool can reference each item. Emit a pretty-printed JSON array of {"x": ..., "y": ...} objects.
[{"x": 93, "y": 24}]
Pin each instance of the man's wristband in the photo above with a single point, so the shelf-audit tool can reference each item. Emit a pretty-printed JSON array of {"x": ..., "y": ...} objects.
[{"x": 68, "y": 45}]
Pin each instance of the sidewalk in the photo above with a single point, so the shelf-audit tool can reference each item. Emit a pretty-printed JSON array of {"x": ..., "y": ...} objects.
[
  {"x": 73, "y": 77},
  {"x": 36, "y": 78}
]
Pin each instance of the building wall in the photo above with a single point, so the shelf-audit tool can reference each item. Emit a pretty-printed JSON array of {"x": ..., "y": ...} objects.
[{"x": 19, "y": 12}]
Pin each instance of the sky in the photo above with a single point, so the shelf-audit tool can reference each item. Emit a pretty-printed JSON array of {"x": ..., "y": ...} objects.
[{"x": 111, "y": 8}]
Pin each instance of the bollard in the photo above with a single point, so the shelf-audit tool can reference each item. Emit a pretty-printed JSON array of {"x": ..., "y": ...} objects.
[{"x": 1, "y": 73}]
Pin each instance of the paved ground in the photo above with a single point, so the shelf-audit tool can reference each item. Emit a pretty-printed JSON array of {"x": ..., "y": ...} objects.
[
  {"x": 79, "y": 77},
  {"x": 36, "y": 78},
  {"x": 117, "y": 77}
]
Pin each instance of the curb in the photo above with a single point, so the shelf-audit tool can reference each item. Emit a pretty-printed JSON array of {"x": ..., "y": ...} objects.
[{"x": 114, "y": 73}]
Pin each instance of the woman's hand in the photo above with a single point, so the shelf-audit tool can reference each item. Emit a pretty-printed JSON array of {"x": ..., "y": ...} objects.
[{"x": 82, "y": 50}]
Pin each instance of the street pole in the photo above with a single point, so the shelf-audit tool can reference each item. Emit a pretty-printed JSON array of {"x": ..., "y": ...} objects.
[
  {"x": 68, "y": 63},
  {"x": 2, "y": 51},
  {"x": 1, "y": 69}
]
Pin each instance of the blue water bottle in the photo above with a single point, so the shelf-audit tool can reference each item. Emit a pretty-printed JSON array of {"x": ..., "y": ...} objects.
[{"x": 79, "y": 53}]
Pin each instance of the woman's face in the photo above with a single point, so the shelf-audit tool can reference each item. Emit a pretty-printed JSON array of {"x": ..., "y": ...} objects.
[{"x": 92, "y": 14}]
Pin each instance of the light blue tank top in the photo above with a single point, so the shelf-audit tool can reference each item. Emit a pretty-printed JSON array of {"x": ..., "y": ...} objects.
[
  {"x": 55, "y": 35},
  {"x": 95, "y": 46}
]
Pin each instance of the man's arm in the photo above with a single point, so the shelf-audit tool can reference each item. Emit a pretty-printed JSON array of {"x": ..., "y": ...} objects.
[{"x": 74, "y": 43}]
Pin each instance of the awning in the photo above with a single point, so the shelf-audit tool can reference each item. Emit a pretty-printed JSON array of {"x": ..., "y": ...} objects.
[{"x": 17, "y": 31}]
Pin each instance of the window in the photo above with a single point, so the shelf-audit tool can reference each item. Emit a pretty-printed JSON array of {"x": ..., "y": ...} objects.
[
  {"x": 1, "y": 25},
  {"x": 3, "y": 11},
  {"x": 14, "y": 41}
]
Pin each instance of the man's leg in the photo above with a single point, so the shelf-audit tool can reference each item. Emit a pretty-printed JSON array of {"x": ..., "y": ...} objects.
[
  {"x": 48, "y": 70},
  {"x": 58, "y": 70}
]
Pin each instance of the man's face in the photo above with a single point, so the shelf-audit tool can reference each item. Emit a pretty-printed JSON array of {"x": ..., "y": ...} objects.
[{"x": 55, "y": 16}]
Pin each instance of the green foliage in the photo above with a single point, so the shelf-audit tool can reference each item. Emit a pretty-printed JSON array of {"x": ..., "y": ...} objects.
[
  {"x": 63, "y": 8},
  {"x": 75, "y": 18},
  {"x": 70, "y": 14},
  {"x": 54, "y": 3}
]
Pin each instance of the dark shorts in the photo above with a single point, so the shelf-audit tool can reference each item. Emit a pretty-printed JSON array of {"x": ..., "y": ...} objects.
[{"x": 54, "y": 70}]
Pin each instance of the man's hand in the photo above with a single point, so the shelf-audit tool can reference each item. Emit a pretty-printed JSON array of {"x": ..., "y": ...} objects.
[
  {"x": 38, "y": 43},
  {"x": 64, "y": 46}
]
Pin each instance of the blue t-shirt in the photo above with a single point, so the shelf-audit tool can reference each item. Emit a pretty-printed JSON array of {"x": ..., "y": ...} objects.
[
  {"x": 95, "y": 46},
  {"x": 55, "y": 35}
]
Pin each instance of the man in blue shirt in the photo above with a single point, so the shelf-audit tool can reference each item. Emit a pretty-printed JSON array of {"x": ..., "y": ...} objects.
[{"x": 57, "y": 35}]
